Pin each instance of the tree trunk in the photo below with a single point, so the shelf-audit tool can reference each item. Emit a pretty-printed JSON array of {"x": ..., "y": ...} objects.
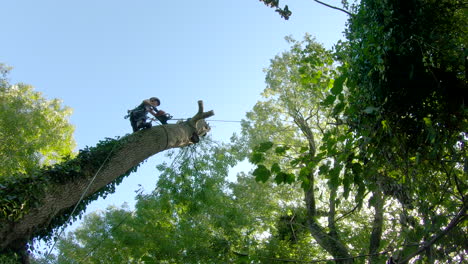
[
  {"x": 329, "y": 241},
  {"x": 135, "y": 148},
  {"x": 377, "y": 226}
]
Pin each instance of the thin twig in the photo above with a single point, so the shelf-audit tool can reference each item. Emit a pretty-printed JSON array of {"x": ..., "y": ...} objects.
[{"x": 352, "y": 210}]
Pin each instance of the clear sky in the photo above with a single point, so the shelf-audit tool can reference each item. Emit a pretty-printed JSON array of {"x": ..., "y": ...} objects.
[{"x": 102, "y": 57}]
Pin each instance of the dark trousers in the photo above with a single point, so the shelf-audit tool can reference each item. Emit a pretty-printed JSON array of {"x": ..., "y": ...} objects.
[{"x": 138, "y": 120}]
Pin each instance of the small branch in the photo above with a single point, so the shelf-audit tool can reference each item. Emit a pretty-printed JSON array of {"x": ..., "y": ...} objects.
[
  {"x": 352, "y": 210},
  {"x": 337, "y": 123},
  {"x": 334, "y": 7}
]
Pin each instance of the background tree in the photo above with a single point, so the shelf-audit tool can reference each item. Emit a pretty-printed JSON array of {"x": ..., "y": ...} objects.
[
  {"x": 293, "y": 119},
  {"x": 404, "y": 66},
  {"x": 194, "y": 215},
  {"x": 407, "y": 103},
  {"x": 34, "y": 131}
]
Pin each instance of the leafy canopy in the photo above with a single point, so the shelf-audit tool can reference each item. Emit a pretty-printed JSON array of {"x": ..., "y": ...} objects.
[
  {"x": 34, "y": 131},
  {"x": 403, "y": 102},
  {"x": 195, "y": 215}
]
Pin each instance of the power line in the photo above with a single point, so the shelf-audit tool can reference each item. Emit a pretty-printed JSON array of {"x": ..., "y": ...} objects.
[
  {"x": 225, "y": 121},
  {"x": 209, "y": 120}
]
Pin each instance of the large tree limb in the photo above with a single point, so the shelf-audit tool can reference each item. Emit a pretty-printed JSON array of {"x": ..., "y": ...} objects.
[{"x": 135, "y": 148}]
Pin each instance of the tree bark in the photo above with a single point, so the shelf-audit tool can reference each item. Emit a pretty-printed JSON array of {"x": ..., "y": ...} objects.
[
  {"x": 333, "y": 232},
  {"x": 136, "y": 148},
  {"x": 377, "y": 226},
  {"x": 329, "y": 242}
]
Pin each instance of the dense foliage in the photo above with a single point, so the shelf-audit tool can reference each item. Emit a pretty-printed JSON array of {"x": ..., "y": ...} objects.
[
  {"x": 406, "y": 103},
  {"x": 402, "y": 97},
  {"x": 295, "y": 137},
  {"x": 34, "y": 131},
  {"x": 195, "y": 215}
]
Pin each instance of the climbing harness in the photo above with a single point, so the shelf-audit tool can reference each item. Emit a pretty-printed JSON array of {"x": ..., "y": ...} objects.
[{"x": 136, "y": 111}]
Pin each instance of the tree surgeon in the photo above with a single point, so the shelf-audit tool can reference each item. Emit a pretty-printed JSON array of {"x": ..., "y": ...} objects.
[{"x": 138, "y": 115}]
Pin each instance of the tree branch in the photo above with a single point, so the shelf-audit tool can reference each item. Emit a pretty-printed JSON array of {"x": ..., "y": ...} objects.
[
  {"x": 461, "y": 216},
  {"x": 200, "y": 114},
  {"x": 352, "y": 210},
  {"x": 334, "y": 7}
]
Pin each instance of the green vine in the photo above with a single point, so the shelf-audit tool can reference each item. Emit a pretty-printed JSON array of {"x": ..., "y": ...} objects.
[{"x": 21, "y": 193}]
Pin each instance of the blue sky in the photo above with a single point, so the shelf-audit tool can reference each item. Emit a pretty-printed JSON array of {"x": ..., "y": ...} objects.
[{"x": 102, "y": 57}]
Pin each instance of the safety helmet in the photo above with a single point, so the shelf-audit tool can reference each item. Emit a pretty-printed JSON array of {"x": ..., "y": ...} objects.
[{"x": 155, "y": 99}]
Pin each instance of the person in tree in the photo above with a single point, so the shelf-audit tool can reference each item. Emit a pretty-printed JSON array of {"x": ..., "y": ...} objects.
[{"x": 138, "y": 115}]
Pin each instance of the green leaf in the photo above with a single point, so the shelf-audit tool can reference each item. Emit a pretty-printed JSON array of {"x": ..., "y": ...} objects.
[
  {"x": 333, "y": 176},
  {"x": 275, "y": 168},
  {"x": 284, "y": 177},
  {"x": 256, "y": 158},
  {"x": 147, "y": 259},
  {"x": 280, "y": 178},
  {"x": 304, "y": 173},
  {"x": 281, "y": 150},
  {"x": 263, "y": 147},
  {"x": 305, "y": 184},
  {"x": 323, "y": 170},
  {"x": 427, "y": 121},
  {"x": 338, "y": 108},
  {"x": 290, "y": 178},
  {"x": 384, "y": 124},
  {"x": 338, "y": 85},
  {"x": 329, "y": 100},
  {"x": 261, "y": 173},
  {"x": 295, "y": 162}
]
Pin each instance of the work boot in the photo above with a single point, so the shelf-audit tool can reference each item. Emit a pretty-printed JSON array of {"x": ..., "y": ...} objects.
[{"x": 144, "y": 125}]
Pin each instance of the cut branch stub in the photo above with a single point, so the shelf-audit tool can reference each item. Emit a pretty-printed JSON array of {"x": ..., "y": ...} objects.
[
  {"x": 200, "y": 114},
  {"x": 197, "y": 121}
]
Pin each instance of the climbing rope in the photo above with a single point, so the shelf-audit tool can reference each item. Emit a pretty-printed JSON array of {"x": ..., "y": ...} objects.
[{"x": 81, "y": 198}]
